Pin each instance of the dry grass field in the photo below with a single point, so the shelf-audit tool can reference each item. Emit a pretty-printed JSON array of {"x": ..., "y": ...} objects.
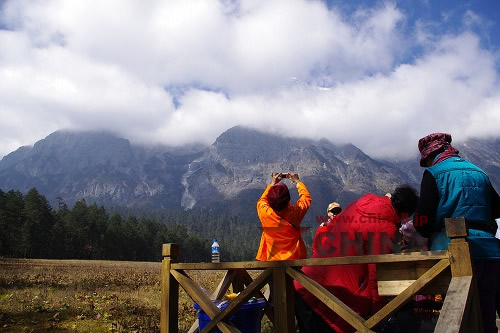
[{"x": 88, "y": 296}]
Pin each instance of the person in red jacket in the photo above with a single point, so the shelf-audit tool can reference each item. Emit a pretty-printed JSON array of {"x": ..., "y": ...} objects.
[{"x": 367, "y": 226}]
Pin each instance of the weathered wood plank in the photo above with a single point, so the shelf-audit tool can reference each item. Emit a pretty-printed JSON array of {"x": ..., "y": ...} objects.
[
  {"x": 462, "y": 266},
  {"x": 224, "y": 284},
  {"x": 249, "y": 265},
  {"x": 393, "y": 288},
  {"x": 460, "y": 258},
  {"x": 195, "y": 327},
  {"x": 393, "y": 278},
  {"x": 403, "y": 297},
  {"x": 170, "y": 250},
  {"x": 240, "y": 300},
  {"x": 330, "y": 300},
  {"x": 452, "y": 317},
  {"x": 197, "y": 294},
  {"x": 458, "y": 248},
  {"x": 283, "y": 301},
  {"x": 456, "y": 227},
  {"x": 403, "y": 270},
  {"x": 169, "y": 321}
]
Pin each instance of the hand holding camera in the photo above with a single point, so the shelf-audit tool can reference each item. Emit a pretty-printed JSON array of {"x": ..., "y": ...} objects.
[{"x": 278, "y": 176}]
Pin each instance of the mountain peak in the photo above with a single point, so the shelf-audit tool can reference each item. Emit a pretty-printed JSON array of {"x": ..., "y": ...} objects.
[
  {"x": 227, "y": 176},
  {"x": 239, "y": 134}
]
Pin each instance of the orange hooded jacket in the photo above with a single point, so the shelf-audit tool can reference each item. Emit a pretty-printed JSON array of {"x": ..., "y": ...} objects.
[{"x": 281, "y": 234}]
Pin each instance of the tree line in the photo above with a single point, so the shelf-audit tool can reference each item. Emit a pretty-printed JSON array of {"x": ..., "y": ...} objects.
[{"x": 31, "y": 228}]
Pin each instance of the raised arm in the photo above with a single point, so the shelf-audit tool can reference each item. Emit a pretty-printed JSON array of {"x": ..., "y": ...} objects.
[
  {"x": 263, "y": 207},
  {"x": 303, "y": 203}
]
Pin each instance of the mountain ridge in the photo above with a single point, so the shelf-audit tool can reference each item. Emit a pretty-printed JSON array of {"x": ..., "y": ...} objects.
[{"x": 226, "y": 177}]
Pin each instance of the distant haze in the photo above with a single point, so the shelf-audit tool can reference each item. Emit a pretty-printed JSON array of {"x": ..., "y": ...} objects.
[{"x": 378, "y": 74}]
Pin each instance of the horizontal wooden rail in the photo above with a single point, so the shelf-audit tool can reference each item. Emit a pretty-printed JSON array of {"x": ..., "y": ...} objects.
[
  {"x": 374, "y": 259},
  {"x": 394, "y": 278}
]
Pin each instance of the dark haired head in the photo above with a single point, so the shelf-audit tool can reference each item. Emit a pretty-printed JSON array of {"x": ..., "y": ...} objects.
[
  {"x": 278, "y": 196},
  {"x": 404, "y": 199}
]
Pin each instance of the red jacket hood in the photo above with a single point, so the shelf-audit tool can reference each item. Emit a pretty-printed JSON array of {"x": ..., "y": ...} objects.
[{"x": 376, "y": 206}]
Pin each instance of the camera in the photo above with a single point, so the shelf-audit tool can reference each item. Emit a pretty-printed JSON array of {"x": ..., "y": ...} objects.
[{"x": 283, "y": 174}]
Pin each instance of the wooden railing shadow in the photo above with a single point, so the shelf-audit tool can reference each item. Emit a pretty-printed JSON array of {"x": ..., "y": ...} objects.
[{"x": 449, "y": 273}]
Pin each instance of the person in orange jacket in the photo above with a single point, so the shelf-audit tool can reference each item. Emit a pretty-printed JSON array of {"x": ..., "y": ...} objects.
[{"x": 281, "y": 232}]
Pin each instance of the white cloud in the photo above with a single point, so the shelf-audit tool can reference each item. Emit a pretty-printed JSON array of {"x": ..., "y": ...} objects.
[
  {"x": 452, "y": 89},
  {"x": 118, "y": 65}
]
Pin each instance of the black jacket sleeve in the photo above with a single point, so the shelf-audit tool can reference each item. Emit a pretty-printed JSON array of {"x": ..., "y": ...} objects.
[
  {"x": 495, "y": 203},
  {"x": 425, "y": 215}
]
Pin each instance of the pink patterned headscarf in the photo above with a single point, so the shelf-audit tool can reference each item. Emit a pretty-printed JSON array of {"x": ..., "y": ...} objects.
[{"x": 432, "y": 142}]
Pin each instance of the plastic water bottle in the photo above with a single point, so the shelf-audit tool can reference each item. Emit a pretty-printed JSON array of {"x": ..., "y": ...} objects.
[{"x": 215, "y": 251}]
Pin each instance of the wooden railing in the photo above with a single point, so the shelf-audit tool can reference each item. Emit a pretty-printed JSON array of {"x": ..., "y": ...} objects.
[{"x": 449, "y": 273}]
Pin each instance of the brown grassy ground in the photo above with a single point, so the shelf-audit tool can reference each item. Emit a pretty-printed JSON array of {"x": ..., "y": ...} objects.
[{"x": 88, "y": 296}]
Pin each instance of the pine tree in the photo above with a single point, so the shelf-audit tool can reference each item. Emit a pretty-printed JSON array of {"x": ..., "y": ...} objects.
[
  {"x": 4, "y": 226},
  {"x": 13, "y": 219},
  {"x": 113, "y": 238},
  {"x": 37, "y": 228}
]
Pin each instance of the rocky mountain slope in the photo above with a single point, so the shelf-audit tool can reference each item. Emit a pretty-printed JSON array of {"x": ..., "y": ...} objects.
[{"x": 226, "y": 177}]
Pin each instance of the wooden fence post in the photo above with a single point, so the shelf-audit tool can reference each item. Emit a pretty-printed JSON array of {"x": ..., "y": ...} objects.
[
  {"x": 283, "y": 301},
  {"x": 461, "y": 309},
  {"x": 460, "y": 258},
  {"x": 169, "y": 321}
]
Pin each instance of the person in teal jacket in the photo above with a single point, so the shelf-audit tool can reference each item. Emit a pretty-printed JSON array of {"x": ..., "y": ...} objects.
[{"x": 451, "y": 187}]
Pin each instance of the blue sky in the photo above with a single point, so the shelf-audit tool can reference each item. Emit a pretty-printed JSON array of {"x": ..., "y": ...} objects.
[{"x": 378, "y": 74}]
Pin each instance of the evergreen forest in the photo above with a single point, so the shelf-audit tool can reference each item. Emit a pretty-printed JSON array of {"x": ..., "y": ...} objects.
[{"x": 31, "y": 228}]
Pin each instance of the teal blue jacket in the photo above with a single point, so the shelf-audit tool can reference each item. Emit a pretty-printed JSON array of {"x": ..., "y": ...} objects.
[{"x": 464, "y": 190}]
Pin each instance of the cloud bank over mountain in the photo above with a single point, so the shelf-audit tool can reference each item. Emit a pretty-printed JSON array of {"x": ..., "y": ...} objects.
[{"x": 185, "y": 71}]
